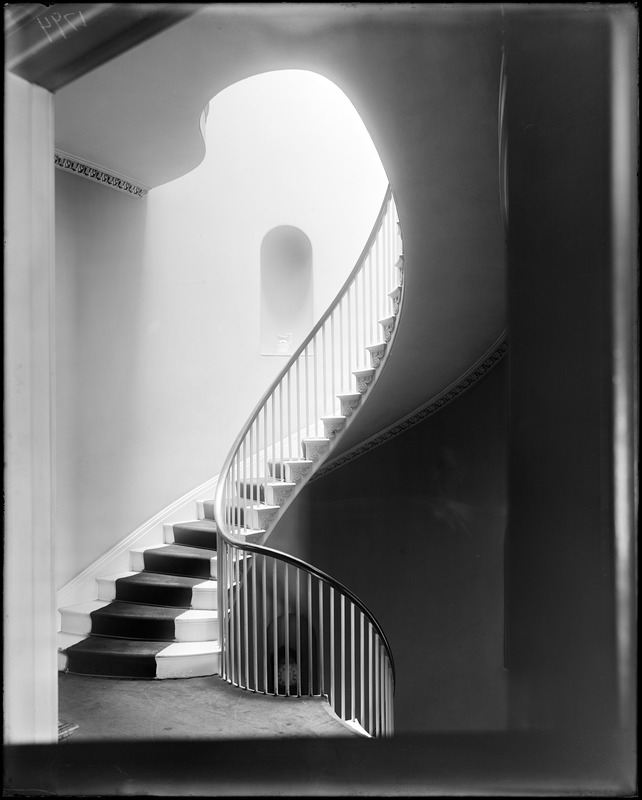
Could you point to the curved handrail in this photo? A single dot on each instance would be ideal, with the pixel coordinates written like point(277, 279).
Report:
point(251, 547)
point(236, 514)
point(230, 457)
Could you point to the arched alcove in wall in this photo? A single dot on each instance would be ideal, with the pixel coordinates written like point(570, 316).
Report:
point(286, 289)
point(290, 167)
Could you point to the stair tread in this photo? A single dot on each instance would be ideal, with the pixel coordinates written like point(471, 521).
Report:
point(196, 525)
point(142, 647)
point(123, 647)
point(155, 578)
point(182, 551)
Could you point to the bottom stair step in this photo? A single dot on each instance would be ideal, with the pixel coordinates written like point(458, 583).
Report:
point(127, 658)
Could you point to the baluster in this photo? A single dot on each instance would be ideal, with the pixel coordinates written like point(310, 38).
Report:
point(248, 468)
point(282, 465)
point(289, 415)
point(341, 342)
point(362, 691)
point(230, 601)
point(265, 627)
point(307, 394)
point(343, 656)
point(265, 460)
point(286, 618)
point(324, 372)
point(246, 630)
point(309, 623)
point(273, 453)
point(275, 635)
point(348, 347)
point(321, 641)
point(375, 288)
point(352, 663)
point(298, 634)
point(237, 608)
point(255, 625)
point(370, 724)
point(377, 697)
point(332, 694)
point(355, 323)
point(315, 359)
point(332, 361)
point(298, 408)
point(364, 315)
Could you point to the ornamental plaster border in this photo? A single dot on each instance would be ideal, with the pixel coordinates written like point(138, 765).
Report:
point(94, 172)
point(482, 366)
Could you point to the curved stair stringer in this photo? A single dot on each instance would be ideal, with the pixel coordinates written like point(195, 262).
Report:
point(273, 626)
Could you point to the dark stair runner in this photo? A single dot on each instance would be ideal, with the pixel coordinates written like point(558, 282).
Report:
point(128, 633)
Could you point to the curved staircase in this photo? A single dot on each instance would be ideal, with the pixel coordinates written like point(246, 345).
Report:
point(158, 620)
point(213, 598)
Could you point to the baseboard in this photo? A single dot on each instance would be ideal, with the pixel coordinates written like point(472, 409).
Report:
point(83, 587)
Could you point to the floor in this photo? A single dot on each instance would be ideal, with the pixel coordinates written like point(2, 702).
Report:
point(194, 708)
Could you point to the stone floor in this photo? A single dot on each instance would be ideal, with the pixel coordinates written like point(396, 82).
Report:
point(193, 708)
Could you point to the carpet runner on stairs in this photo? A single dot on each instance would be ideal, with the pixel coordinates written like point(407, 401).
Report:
point(157, 621)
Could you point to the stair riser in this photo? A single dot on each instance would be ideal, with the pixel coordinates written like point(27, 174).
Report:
point(277, 495)
point(316, 451)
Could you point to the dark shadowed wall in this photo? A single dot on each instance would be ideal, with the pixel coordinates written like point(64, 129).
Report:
point(416, 529)
point(561, 615)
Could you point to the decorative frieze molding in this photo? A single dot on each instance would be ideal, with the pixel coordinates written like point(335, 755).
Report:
point(93, 172)
point(481, 368)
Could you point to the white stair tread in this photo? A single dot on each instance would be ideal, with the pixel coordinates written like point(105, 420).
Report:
point(84, 608)
point(77, 619)
point(261, 507)
point(182, 649)
point(375, 347)
point(188, 660)
point(149, 547)
point(339, 417)
point(275, 484)
point(318, 440)
point(387, 320)
point(116, 576)
point(197, 615)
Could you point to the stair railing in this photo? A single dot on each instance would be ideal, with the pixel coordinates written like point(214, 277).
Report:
point(265, 596)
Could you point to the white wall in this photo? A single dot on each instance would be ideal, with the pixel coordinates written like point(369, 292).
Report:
point(158, 333)
point(30, 678)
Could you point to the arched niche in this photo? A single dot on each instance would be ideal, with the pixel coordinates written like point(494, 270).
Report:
point(286, 289)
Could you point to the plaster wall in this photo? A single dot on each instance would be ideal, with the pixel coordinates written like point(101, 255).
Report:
point(158, 351)
point(416, 528)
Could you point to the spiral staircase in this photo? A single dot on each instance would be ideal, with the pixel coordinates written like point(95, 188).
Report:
point(213, 597)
